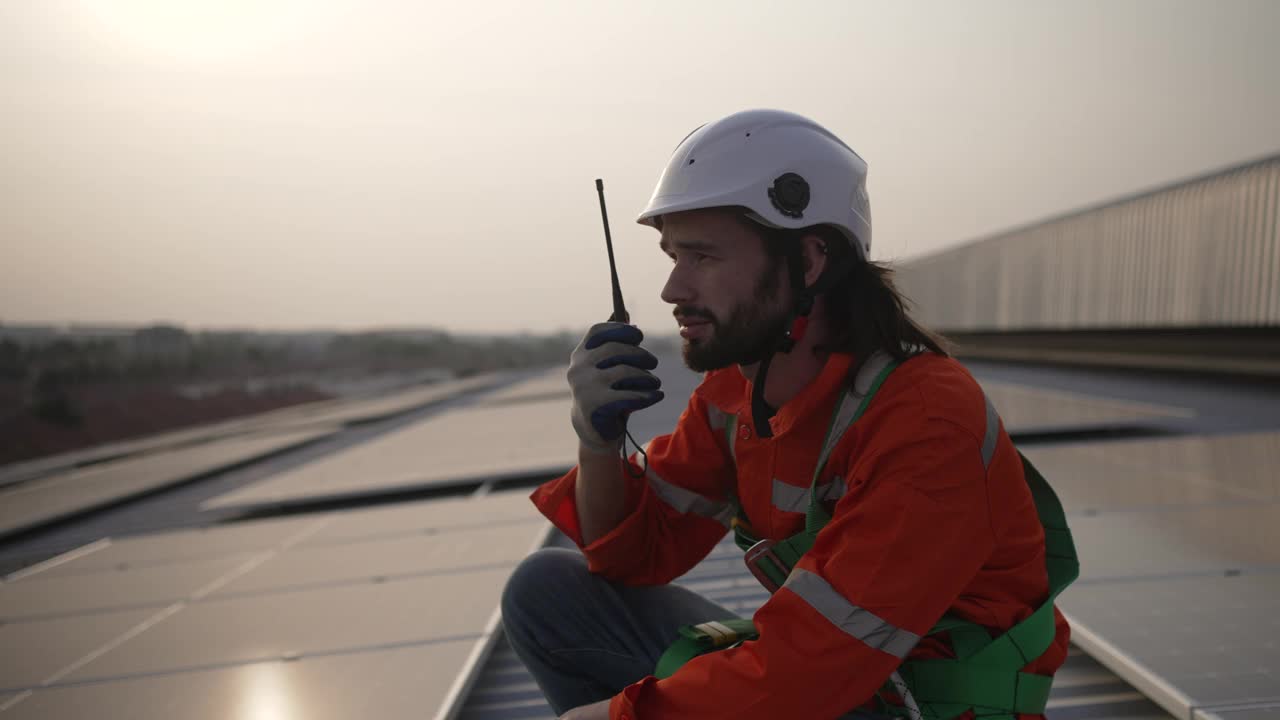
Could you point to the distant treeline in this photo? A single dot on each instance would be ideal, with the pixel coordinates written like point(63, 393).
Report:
point(62, 390)
point(170, 353)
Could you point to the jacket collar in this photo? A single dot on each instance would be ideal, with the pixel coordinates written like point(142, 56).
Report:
point(728, 390)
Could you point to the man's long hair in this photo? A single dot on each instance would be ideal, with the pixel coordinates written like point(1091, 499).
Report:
point(865, 312)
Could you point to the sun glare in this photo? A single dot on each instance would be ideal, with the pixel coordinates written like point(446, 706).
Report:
point(197, 30)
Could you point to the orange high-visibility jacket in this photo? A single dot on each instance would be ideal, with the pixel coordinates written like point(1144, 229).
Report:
point(920, 528)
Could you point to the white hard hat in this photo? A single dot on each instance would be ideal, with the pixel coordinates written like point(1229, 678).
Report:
point(787, 170)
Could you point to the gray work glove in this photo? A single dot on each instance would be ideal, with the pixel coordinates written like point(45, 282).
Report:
point(610, 379)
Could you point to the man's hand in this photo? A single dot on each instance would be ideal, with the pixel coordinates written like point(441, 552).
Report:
point(594, 711)
point(609, 378)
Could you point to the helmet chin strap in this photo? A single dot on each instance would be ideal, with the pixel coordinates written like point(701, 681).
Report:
point(797, 325)
point(761, 411)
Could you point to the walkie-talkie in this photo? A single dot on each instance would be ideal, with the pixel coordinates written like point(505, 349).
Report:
point(619, 315)
point(619, 309)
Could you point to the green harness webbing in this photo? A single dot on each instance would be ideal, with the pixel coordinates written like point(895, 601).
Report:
point(985, 676)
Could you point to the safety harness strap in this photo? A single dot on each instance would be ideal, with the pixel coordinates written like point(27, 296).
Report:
point(1030, 638)
point(986, 675)
point(771, 562)
point(703, 638)
point(870, 376)
point(959, 683)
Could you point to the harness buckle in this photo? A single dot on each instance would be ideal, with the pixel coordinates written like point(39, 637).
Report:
point(757, 558)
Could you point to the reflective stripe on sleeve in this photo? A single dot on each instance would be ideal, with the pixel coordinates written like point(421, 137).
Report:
point(789, 498)
point(852, 620)
point(689, 502)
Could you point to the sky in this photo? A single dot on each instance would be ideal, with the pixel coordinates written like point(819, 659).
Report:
point(305, 164)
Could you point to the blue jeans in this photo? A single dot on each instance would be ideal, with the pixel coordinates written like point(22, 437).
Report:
point(584, 638)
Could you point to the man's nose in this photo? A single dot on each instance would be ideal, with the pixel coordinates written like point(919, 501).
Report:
point(677, 291)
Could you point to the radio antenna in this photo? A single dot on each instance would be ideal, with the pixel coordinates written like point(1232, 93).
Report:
point(619, 309)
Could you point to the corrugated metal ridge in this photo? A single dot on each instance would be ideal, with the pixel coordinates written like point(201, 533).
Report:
point(1103, 205)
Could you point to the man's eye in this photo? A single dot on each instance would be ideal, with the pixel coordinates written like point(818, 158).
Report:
point(693, 257)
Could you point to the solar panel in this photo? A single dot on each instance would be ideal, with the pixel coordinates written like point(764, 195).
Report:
point(31, 469)
point(1166, 473)
point(1262, 712)
point(1181, 471)
point(40, 501)
point(369, 588)
point(244, 539)
point(345, 411)
point(430, 515)
point(1178, 541)
point(36, 650)
point(140, 551)
point(1179, 550)
point(543, 386)
point(483, 441)
point(1209, 640)
point(517, 430)
point(39, 596)
point(1032, 409)
point(435, 553)
point(329, 619)
point(394, 682)
point(472, 443)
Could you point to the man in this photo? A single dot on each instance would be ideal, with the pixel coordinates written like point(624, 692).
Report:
point(823, 402)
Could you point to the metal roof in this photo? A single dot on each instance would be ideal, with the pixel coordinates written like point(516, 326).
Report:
point(161, 601)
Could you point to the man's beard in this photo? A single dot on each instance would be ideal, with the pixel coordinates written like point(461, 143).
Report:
point(749, 334)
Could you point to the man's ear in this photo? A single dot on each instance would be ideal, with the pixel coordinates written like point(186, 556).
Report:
point(814, 251)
